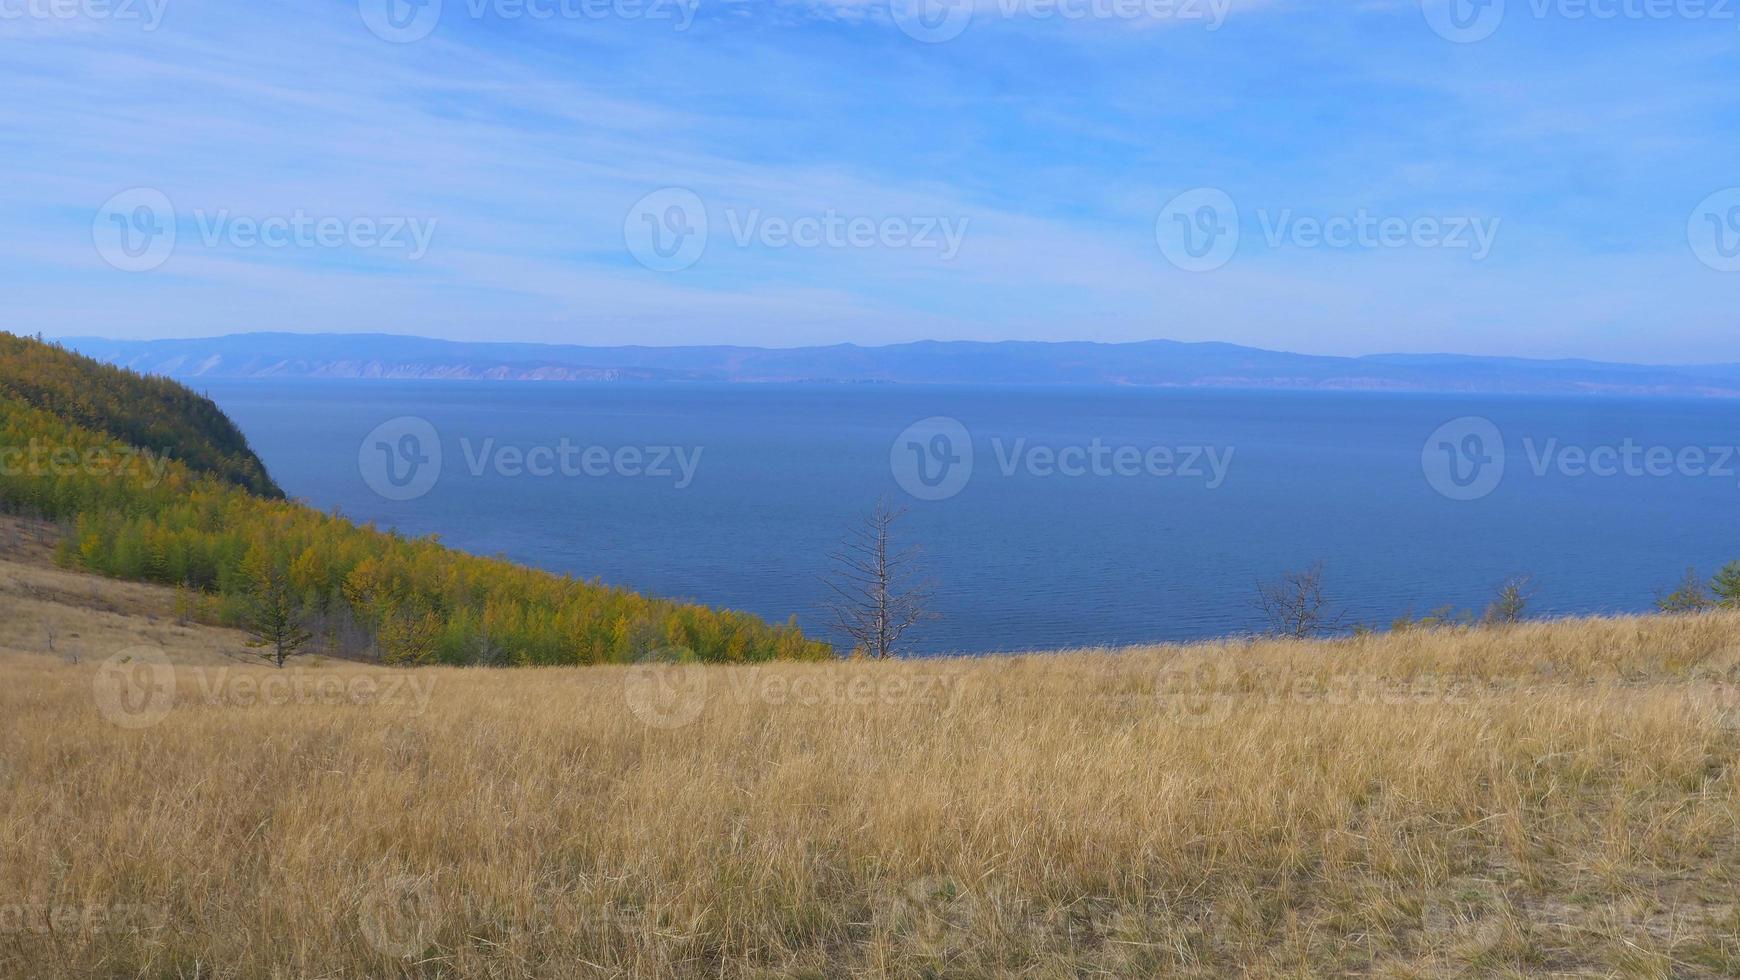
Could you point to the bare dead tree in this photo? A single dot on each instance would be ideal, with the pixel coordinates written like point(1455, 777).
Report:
point(489, 653)
point(1295, 605)
point(877, 596)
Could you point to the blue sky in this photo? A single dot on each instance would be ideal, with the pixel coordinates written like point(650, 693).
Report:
point(483, 173)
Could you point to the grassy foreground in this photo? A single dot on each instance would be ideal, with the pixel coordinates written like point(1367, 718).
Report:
point(1546, 799)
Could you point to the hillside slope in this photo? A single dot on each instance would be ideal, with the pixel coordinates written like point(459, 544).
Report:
point(148, 412)
point(240, 555)
point(79, 618)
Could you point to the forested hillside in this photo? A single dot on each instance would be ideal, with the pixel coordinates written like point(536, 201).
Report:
point(150, 413)
point(141, 516)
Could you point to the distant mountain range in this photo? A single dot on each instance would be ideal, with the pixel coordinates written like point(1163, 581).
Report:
point(1162, 363)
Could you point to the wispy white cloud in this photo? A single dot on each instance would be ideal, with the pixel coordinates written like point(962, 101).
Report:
point(529, 143)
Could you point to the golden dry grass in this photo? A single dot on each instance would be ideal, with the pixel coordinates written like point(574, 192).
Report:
point(1549, 799)
point(77, 617)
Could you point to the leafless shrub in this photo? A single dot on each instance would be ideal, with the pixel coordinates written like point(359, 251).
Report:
point(1295, 605)
point(877, 597)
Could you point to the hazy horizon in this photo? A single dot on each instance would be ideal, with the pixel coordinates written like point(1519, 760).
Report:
point(220, 335)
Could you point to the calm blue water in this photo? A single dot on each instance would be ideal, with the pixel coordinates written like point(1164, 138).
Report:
point(1035, 559)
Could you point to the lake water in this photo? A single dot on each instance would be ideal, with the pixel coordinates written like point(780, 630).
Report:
point(1089, 516)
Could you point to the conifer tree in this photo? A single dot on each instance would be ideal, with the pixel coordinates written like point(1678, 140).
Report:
point(273, 622)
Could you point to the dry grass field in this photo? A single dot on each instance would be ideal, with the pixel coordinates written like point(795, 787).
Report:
point(1550, 799)
point(78, 618)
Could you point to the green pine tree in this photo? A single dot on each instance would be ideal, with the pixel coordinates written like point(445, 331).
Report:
point(1727, 586)
point(273, 622)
